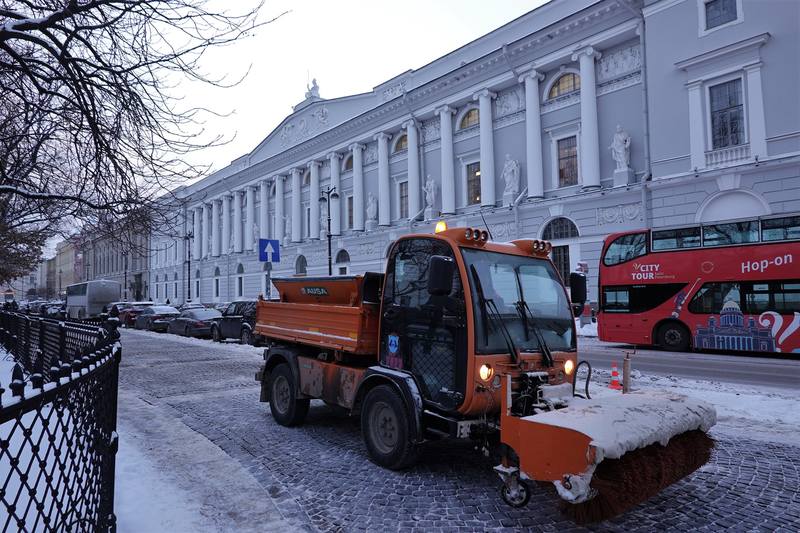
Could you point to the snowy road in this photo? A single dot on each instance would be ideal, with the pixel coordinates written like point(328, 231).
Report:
point(727, 368)
point(210, 458)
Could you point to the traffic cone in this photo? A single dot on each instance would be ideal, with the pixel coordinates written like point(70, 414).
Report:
point(614, 377)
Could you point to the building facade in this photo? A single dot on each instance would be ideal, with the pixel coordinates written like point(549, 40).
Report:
point(576, 120)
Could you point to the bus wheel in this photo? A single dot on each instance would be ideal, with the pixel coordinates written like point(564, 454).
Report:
point(674, 336)
point(286, 409)
point(386, 429)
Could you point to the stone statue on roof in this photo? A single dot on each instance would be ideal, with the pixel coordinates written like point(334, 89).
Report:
point(313, 89)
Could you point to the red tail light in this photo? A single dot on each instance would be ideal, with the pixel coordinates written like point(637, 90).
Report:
point(155, 317)
point(201, 323)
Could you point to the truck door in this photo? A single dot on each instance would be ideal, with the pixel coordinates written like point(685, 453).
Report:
point(423, 334)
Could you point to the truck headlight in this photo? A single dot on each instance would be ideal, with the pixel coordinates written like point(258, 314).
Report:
point(569, 366)
point(485, 372)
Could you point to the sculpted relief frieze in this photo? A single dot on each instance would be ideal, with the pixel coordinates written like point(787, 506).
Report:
point(618, 214)
point(509, 102)
point(304, 127)
point(430, 130)
point(394, 91)
point(619, 63)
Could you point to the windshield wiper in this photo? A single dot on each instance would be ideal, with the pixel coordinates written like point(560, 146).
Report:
point(490, 308)
point(529, 320)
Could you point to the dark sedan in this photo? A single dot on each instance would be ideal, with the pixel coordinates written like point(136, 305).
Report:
point(194, 322)
point(129, 312)
point(156, 318)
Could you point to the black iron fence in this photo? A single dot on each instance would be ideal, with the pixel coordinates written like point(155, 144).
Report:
point(58, 419)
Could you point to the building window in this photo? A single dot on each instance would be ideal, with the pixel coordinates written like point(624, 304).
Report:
point(474, 183)
point(401, 144)
point(307, 178)
point(300, 266)
point(342, 262)
point(719, 12)
point(727, 114)
point(216, 282)
point(561, 261)
point(560, 228)
point(349, 212)
point(348, 163)
point(197, 289)
point(308, 222)
point(470, 118)
point(567, 161)
point(566, 84)
point(239, 281)
point(403, 196)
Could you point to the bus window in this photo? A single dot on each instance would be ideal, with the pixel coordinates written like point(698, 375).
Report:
point(712, 296)
point(731, 233)
point(672, 239)
point(780, 229)
point(756, 297)
point(625, 248)
point(638, 298)
point(787, 297)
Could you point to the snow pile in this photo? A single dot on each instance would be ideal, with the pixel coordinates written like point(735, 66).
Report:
point(588, 330)
point(197, 342)
point(626, 422)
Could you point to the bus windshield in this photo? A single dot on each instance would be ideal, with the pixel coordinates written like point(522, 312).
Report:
point(507, 280)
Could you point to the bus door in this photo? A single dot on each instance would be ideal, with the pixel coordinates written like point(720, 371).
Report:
point(424, 334)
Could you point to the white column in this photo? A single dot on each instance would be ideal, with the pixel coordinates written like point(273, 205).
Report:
point(225, 245)
point(413, 168)
point(297, 213)
point(250, 210)
point(533, 134)
point(336, 183)
point(757, 136)
point(590, 138)
point(448, 173)
point(197, 250)
point(384, 187)
point(696, 140)
point(358, 186)
point(237, 221)
point(215, 228)
point(484, 99)
point(204, 249)
point(313, 199)
point(279, 227)
point(263, 210)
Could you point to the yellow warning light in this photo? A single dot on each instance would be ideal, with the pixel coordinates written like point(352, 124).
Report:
point(440, 226)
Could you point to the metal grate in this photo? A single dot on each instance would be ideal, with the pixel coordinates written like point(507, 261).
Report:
point(58, 437)
point(433, 362)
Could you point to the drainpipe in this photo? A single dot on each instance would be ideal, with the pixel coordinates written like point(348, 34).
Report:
point(515, 208)
point(648, 175)
point(420, 153)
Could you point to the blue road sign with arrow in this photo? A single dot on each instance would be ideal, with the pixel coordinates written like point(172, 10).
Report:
point(269, 250)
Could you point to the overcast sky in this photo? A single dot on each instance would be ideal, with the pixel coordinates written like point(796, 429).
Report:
point(349, 46)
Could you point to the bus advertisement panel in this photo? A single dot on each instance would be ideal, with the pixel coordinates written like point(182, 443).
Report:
point(725, 286)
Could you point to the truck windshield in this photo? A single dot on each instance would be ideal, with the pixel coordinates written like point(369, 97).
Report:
point(509, 279)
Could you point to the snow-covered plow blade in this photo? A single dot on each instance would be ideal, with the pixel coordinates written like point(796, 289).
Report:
point(606, 455)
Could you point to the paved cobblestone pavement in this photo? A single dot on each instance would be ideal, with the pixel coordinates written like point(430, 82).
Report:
point(319, 477)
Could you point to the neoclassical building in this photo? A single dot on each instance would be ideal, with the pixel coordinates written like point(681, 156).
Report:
point(578, 119)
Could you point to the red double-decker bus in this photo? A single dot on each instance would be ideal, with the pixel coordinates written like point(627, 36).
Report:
point(732, 285)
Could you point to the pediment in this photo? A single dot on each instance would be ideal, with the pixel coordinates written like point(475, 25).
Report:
point(311, 120)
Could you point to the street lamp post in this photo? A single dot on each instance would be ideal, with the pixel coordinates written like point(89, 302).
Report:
point(188, 239)
point(125, 278)
point(327, 195)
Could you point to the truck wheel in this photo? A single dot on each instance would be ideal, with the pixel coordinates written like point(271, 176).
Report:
point(674, 336)
point(286, 409)
point(386, 429)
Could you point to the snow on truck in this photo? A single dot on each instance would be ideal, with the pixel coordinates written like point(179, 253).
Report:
point(467, 338)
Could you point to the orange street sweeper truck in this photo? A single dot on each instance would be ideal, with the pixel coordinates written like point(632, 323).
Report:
point(466, 338)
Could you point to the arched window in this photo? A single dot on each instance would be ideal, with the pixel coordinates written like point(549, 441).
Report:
point(342, 262)
point(301, 266)
point(216, 272)
point(239, 280)
point(559, 229)
point(470, 118)
point(175, 286)
point(565, 84)
point(306, 178)
point(348, 163)
point(401, 143)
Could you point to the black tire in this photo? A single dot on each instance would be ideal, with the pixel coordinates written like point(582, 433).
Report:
point(286, 409)
point(186, 330)
point(246, 337)
point(674, 336)
point(518, 500)
point(386, 428)
point(215, 334)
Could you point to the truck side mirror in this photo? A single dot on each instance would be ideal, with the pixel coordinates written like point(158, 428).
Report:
point(440, 275)
point(577, 288)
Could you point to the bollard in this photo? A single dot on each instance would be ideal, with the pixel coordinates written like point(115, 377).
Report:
point(626, 372)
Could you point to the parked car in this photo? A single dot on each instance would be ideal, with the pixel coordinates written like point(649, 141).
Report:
point(128, 314)
point(191, 305)
point(196, 322)
point(237, 322)
point(156, 317)
point(221, 307)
